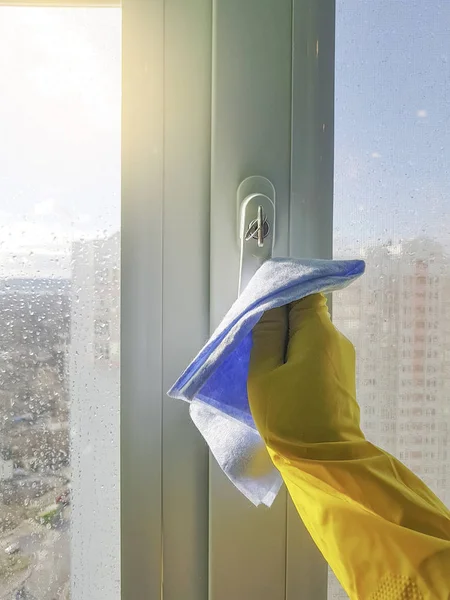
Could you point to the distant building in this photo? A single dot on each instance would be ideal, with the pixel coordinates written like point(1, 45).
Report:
point(398, 317)
point(6, 465)
point(94, 414)
point(95, 298)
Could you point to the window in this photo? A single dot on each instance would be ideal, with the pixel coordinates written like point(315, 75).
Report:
point(102, 352)
point(385, 427)
point(59, 206)
point(101, 328)
point(390, 192)
point(60, 123)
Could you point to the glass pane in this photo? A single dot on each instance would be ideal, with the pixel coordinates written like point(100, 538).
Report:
point(59, 302)
point(392, 207)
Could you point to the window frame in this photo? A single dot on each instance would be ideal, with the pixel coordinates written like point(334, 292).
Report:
point(304, 208)
point(304, 228)
point(164, 46)
point(63, 3)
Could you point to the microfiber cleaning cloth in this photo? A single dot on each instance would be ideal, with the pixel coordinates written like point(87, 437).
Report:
point(215, 383)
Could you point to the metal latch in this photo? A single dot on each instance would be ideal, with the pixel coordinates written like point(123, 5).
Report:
point(256, 219)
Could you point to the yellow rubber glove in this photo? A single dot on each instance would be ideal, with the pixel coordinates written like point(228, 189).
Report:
point(383, 532)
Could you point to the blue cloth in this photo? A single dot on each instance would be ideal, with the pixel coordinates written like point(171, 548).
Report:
point(215, 383)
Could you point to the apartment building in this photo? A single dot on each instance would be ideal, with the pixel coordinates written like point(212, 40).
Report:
point(94, 414)
point(398, 317)
point(96, 283)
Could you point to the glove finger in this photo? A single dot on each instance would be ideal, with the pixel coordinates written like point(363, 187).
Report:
point(269, 342)
point(309, 326)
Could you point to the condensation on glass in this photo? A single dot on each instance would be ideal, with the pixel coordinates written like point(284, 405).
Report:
point(59, 303)
point(392, 208)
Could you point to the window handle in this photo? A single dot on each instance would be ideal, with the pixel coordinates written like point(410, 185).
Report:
point(256, 218)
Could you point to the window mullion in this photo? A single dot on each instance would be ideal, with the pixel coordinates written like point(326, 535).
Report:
point(251, 136)
point(187, 168)
point(141, 299)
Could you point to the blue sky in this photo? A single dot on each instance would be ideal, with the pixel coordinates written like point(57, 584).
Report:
point(392, 145)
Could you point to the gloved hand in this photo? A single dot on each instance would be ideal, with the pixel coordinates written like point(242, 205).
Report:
point(301, 383)
point(384, 533)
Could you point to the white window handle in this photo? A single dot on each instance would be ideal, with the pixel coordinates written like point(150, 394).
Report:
point(256, 218)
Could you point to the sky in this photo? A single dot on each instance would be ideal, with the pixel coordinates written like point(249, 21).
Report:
point(392, 139)
point(59, 134)
point(60, 128)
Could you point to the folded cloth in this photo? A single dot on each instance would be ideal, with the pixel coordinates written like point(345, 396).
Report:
point(215, 383)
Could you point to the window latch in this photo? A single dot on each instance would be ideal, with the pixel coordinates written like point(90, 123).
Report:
point(256, 219)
